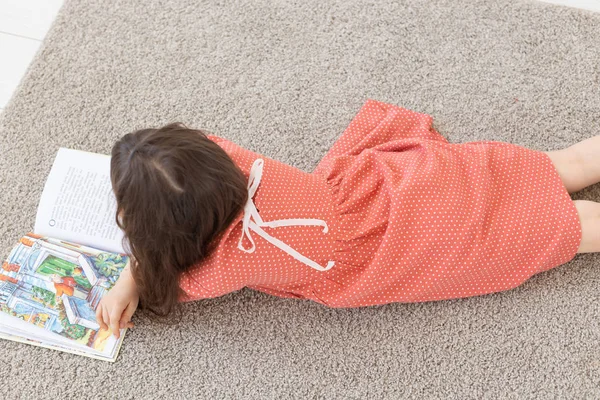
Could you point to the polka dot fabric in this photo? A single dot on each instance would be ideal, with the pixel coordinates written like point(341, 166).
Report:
point(411, 218)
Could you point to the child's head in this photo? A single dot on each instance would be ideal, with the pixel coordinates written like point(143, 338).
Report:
point(176, 190)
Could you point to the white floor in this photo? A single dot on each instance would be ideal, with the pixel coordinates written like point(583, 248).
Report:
point(592, 5)
point(23, 26)
point(24, 23)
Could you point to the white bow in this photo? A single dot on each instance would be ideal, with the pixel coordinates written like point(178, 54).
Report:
point(252, 220)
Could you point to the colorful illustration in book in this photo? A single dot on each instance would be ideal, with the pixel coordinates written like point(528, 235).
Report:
point(57, 285)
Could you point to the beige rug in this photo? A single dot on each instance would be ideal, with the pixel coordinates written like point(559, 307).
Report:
point(284, 78)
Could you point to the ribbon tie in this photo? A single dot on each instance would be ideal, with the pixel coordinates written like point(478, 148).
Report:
point(253, 221)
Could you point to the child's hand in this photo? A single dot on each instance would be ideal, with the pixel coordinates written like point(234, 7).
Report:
point(117, 307)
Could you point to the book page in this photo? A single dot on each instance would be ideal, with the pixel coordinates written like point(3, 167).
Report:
point(38, 337)
point(78, 204)
point(9, 334)
point(50, 290)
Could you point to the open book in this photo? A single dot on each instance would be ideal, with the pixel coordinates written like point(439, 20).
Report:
point(54, 278)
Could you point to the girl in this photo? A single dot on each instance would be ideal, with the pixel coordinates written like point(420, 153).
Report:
point(392, 213)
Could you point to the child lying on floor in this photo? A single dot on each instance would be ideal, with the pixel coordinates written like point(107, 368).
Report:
point(392, 213)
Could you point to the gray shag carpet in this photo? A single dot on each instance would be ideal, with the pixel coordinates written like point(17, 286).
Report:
point(284, 78)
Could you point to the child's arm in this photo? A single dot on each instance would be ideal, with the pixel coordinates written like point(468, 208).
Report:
point(117, 307)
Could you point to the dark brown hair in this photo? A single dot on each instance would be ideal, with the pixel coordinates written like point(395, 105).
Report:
point(176, 190)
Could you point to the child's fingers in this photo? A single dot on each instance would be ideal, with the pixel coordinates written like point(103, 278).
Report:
point(127, 314)
point(126, 324)
point(105, 317)
point(114, 324)
point(100, 317)
point(99, 314)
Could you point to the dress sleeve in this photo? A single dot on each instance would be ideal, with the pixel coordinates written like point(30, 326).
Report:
point(198, 283)
point(192, 289)
point(214, 138)
point(376, 123)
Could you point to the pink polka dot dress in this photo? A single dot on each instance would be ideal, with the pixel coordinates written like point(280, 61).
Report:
point(392, 213)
